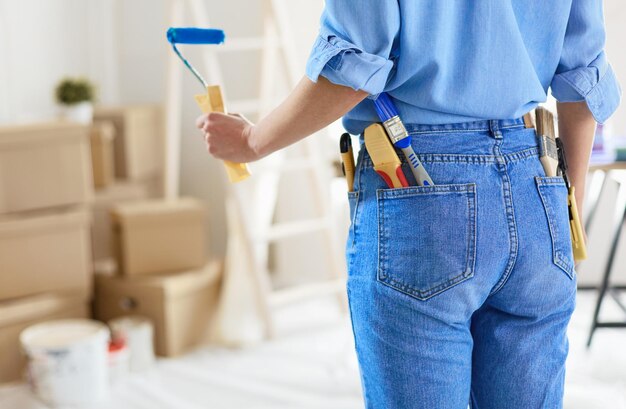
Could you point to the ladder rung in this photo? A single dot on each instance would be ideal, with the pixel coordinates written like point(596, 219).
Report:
point(244, 44)
point(288, 165)
point(251, 105)
point(244, 106)
point(302, 292)
point(301, 227)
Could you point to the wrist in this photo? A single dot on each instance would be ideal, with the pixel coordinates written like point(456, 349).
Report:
point(252, 136)
point(579, 196)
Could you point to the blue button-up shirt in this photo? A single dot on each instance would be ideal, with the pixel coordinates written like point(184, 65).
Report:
point(449, 61)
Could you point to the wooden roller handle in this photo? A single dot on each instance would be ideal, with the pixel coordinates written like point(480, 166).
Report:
point(213, 101)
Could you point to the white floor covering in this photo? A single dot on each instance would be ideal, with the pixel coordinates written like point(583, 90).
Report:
point(312, 365)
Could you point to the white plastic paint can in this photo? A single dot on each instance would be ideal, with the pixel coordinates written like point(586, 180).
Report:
point(68, 361)
point(138, 332)
point(119, 361)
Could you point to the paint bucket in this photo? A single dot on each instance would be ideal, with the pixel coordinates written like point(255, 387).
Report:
point(67, 361)
point(138, 333)
point(119, 360)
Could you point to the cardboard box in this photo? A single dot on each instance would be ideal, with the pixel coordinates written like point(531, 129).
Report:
point(102, 137)
point(181, 305)
point(159, 236)
point(46, 251)
point(105, 200)
point(17, 315)
point(139, 140)
point(155, 186)
point(44, 165)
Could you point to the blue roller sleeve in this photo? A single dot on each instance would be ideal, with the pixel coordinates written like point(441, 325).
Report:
point(193, 35)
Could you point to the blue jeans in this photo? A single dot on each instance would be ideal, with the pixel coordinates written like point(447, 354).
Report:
point(461, 292)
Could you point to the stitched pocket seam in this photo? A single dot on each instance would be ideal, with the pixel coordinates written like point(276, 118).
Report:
point(469, 191)
point(354, 195)
point(557, 256)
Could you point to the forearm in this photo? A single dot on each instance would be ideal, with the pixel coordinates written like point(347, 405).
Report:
point(576, 129)
point(309, 108)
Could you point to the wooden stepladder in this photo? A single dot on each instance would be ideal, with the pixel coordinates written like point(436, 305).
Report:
point(251, 205)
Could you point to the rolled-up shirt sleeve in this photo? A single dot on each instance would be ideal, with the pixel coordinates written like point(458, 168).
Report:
point(355, 44)
point(584, 73)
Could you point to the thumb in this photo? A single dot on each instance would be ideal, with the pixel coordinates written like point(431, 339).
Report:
point(201, 121)
point(240, 116)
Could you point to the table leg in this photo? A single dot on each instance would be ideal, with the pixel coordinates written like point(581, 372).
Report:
point(619, 218)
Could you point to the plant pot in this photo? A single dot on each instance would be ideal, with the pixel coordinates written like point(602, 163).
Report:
point(81, 112)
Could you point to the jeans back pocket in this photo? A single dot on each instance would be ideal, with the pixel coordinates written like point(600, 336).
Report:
point(553, 193)
point(427, 237)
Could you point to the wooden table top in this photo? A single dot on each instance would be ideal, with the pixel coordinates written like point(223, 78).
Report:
point(606, 166)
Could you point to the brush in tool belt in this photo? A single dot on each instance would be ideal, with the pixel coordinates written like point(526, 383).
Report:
point(384, 157)
point(578, 241)
point(398, 134)
point(347, 159)
point(548, 154)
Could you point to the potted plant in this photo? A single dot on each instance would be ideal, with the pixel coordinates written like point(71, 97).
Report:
point(76, 96)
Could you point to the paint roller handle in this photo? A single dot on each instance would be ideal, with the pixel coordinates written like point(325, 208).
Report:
point(213, 101)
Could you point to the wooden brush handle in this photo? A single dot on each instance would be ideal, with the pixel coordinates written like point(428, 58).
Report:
point(545, 122)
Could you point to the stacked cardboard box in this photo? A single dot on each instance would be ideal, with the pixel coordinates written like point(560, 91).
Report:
point(102, 154)
point(162, 272)
point(159, 236)
point(43, 166)
point(128, 165)
point(139, 143)
point(47, 247)
point(47, 176)
point(45, 250)
point(105, 200)
point(180, 305)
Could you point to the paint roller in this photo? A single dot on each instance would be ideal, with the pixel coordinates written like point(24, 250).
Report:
point(212, 101)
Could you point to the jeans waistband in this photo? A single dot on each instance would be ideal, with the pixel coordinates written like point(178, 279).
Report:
point(475, 126)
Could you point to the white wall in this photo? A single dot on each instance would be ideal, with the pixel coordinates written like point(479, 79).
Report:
point(615, 15)
point(43, 41)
